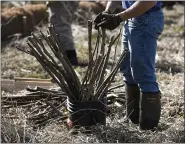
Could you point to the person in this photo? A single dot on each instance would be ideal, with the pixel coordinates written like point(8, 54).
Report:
point(60, 16)
point(144, 22)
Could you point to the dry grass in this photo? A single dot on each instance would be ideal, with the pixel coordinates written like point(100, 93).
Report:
point(8, 13)
point(170, 74)
point(117, 129)
point(22, 20)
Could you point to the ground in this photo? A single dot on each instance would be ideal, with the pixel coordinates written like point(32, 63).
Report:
point(170, 75)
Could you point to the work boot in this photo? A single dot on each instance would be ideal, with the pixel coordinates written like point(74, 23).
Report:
point(132, 93)
point(72, 56)
point(150, 110)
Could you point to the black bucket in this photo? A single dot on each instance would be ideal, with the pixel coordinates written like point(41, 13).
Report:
point(87, 113)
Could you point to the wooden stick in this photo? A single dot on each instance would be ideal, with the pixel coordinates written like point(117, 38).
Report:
point(109, 79)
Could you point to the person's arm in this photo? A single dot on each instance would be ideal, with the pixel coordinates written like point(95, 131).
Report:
point(111, 21)
point(138, 8)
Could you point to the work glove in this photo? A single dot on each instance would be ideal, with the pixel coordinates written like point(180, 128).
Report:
point(98, 18)
point(107, 20)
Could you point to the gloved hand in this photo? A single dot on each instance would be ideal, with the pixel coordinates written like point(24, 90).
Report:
point(99, 18)
point(106, 20)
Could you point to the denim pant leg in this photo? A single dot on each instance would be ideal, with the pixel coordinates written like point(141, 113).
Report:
point(142, 36)
point(125, 65)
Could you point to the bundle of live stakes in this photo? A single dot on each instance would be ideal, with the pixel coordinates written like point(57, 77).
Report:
point(94, 85)
point(95, 82)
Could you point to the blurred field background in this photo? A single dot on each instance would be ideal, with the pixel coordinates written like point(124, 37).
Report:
point(17, 23)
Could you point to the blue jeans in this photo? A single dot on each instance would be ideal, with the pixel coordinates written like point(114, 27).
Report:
point(140, 37)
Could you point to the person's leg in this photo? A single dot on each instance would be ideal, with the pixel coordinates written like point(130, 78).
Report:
point(132, 92)
point(60, 16)
point(143, 60)
point(143, 33)
point(125, 65)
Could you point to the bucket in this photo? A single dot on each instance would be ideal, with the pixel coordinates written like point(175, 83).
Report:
point(87, 113)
